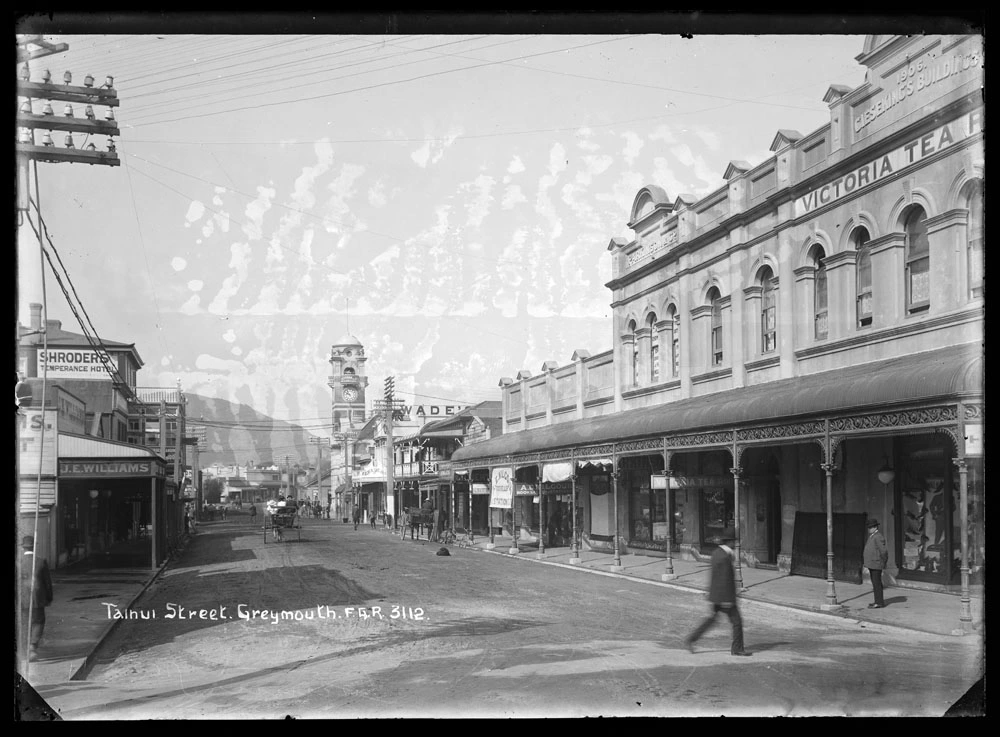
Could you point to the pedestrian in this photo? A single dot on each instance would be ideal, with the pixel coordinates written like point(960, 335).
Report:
point(722, 595)
point(253, 513)
point(36, 593)
point(876, 556)
point(357, 516)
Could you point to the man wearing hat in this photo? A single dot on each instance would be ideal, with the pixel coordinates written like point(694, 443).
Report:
point(36, 592)
point(876, 556)
point(722, 594)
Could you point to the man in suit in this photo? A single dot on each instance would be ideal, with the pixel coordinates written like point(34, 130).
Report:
point(876, 556)
point(722, 595)
point(36, 593)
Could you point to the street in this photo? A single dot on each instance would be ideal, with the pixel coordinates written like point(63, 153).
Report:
point(362, 624)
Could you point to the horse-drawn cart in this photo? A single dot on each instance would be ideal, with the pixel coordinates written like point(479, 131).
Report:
point(280, 521)
point(416, 519)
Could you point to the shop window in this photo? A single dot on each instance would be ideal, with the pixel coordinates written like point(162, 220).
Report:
point(976, 241)
point(654, 349)
point(864, 289)
point(768, 311)
point(717, 514)
point(820, 324)
point(648, 514)
point(918, 261)
point(928, 498)
point(716, 301)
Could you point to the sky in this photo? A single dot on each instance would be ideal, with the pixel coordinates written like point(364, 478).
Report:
point(447, 199)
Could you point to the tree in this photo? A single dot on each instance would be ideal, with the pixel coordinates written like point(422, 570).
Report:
point(213, 490)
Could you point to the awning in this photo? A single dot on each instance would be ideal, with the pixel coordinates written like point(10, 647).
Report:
point(87, 457)
point(942, 374)
point(88, 446)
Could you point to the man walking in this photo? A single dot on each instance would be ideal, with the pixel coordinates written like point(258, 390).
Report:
point(357, 517)
point(36, 593)
point(722, 595)
point(876, 556)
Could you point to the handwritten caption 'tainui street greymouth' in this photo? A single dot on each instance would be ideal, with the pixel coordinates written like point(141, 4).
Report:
point(275, 616)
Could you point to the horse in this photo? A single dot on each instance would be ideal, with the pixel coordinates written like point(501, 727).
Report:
point(417, 519)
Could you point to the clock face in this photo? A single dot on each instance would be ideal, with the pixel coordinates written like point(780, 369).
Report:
point(349, 394)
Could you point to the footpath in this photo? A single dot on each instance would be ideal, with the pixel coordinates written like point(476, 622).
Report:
point(77, 621)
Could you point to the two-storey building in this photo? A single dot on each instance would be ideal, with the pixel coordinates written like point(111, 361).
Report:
point(793, 353)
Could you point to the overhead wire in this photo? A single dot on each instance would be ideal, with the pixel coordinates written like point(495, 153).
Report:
point(374, 86)
point(264, 74)
point(146, 111)
point(77, 307)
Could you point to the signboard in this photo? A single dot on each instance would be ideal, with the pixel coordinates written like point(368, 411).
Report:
point(914, 78)
point(902, 157)
point(105, 469)
point(423, 411)
point(37, 442)
point(428, 467)
point(74, 363)
point(650, 247)
point(523, 489)
point(29, 490)
point(973, 439)
point(480, 488)
point(502, 488)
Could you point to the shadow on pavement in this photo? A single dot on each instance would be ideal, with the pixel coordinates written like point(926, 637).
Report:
point(478, 626)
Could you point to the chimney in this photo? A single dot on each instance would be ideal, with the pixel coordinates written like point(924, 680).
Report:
point(36, 315)
point(53, 324)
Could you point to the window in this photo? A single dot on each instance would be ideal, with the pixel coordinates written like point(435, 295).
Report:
point(716, 300)
point(976, 241)
point(864, 289)
point(675, 342)
point(635, 354)
point(654, 349)
point(768, 311)
point(918, 261)
point(819, 295)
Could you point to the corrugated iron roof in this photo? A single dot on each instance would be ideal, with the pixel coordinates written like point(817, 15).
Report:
point(945, 373)
point(87, 446)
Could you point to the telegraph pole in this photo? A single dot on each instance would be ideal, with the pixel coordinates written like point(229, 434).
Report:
point(36, 114)
point(389, 407)
point(319, 442)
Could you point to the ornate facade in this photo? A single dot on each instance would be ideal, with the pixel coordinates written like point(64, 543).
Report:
point(797, 350)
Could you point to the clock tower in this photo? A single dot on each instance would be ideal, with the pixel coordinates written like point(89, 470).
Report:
point(348, 381)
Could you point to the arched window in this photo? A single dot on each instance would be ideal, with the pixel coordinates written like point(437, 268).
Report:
point(654, 349)
point(635, 353)
point(860, 239)
point(819, 294)
point(918, 261)
point(976, 241)
point(716, 301)
point(768, 311)
point(674, 320)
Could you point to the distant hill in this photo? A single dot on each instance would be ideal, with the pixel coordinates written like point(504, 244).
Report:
point(237, 433)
